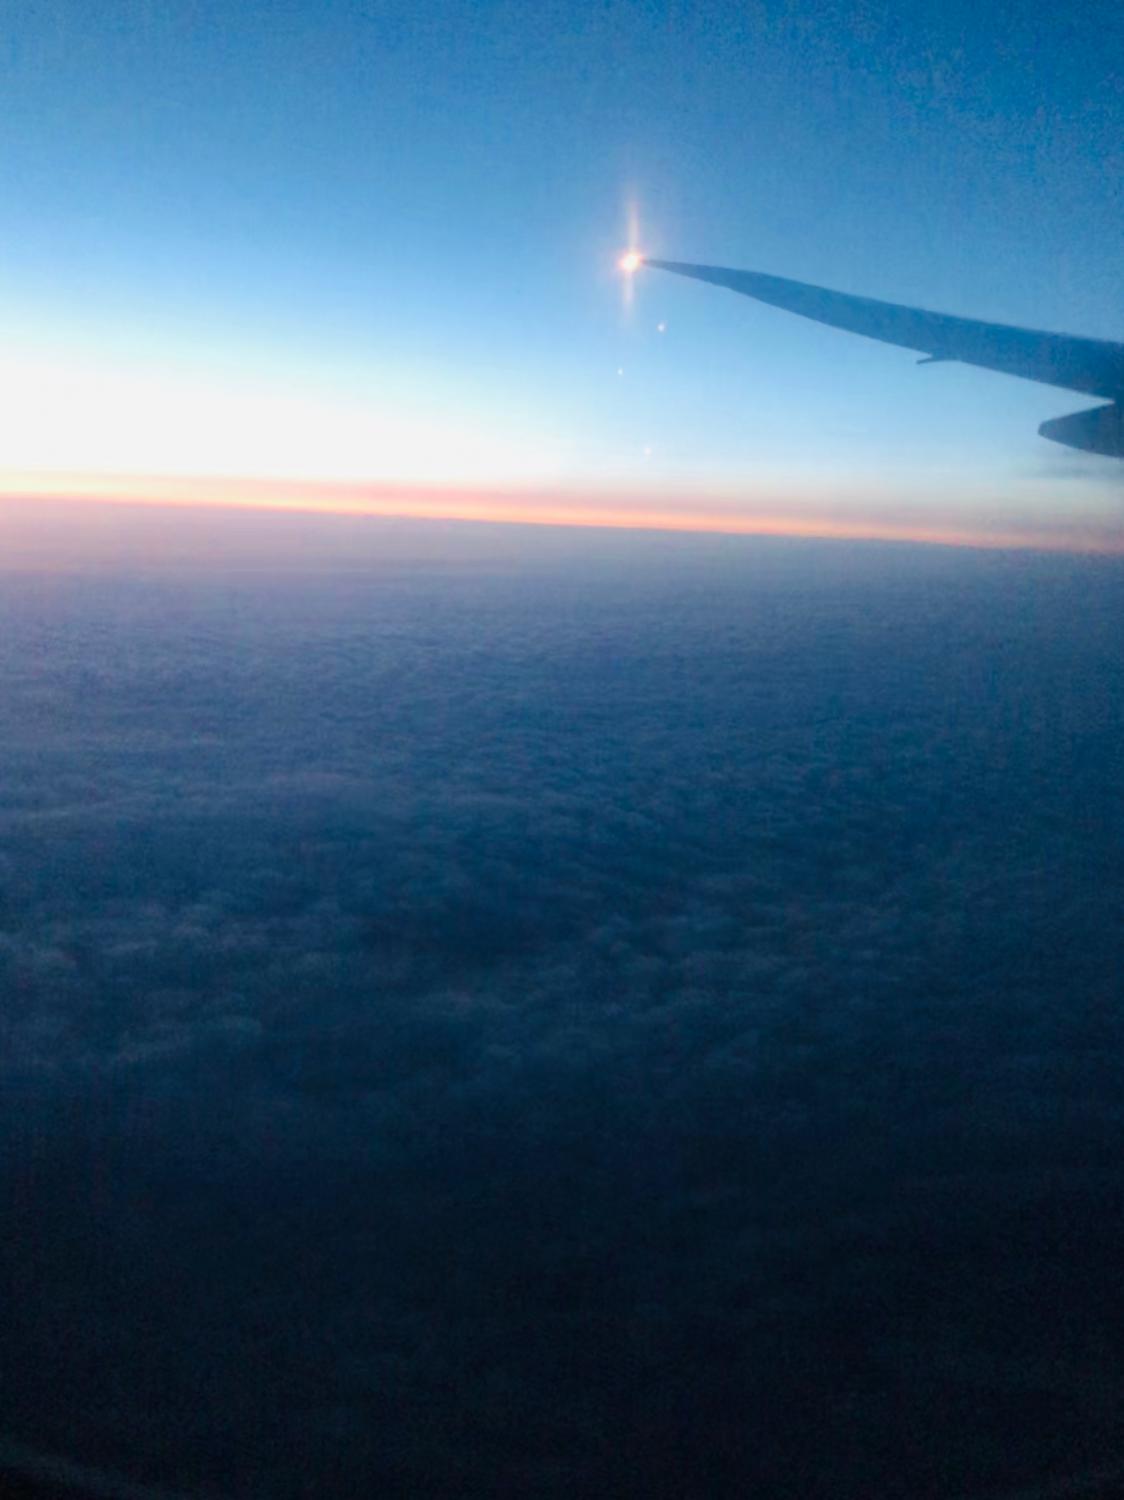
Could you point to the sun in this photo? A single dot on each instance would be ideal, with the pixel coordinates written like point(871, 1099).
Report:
point(632, 261)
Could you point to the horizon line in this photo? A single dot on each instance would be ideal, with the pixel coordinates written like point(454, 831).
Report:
point(557, 506)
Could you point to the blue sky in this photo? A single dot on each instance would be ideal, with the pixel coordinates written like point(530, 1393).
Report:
point(378, 241)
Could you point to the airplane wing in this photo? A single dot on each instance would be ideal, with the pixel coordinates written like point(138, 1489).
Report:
point(1094, 366)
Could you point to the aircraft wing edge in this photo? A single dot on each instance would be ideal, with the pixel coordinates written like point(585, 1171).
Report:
point(1093, 366)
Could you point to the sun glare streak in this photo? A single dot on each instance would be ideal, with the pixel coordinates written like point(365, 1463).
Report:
point(631, 258)
point(633, 223)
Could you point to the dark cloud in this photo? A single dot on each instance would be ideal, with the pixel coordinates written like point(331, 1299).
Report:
point(639, 1028)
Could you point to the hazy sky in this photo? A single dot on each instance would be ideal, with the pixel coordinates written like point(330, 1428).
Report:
point(378, 242)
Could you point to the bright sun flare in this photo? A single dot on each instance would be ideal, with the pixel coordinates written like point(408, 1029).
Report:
point(631, 261)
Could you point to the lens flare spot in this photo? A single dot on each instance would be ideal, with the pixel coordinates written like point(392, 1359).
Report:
point(631, 261)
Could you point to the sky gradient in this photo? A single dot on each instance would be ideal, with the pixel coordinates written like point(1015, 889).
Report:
point(376, 244)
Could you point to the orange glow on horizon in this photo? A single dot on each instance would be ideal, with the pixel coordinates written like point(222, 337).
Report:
point(781, 516)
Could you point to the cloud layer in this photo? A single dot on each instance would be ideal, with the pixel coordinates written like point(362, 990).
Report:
point(631, 1028)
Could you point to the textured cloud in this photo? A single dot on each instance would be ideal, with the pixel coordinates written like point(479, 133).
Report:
point(638, 1027)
